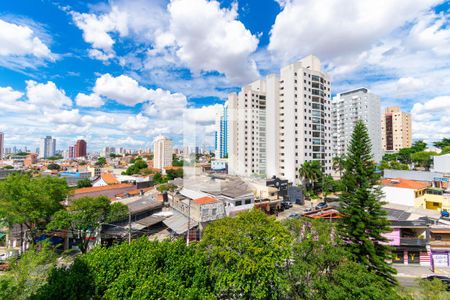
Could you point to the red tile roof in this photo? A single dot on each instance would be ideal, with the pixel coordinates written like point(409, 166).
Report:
point(101, 188)
point(204, 200)
point(109, 178)
point(406, 184)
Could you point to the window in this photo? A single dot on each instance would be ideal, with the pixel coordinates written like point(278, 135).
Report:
point(248, 201)
point(238, 203)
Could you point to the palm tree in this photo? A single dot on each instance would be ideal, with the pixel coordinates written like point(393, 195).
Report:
point(338, 164)
point(311, 171)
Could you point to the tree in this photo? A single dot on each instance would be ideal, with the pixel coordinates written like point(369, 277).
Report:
point(84, 216)
point(246, 256)
point(31, 201)
point(166, 187)
point(8, 167)
point(175, 173)
point(28, 273)
point(158, 178)
point(56, 157)
point(86, 182)
point(53, 167)
point(143, 270)
point(136, 167)
point(443, 143)
point(338, 164)
point(419, 146)
point(328, 185)
point(101, 161)
point(423, 158)
point(321, 267)
point(364, 221)
point(311, 172)
point(445, 150)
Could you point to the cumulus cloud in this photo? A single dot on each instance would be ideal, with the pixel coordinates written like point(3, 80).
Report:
point(46, 94)
point(62, 116)
point(430, 118)
point(18, 40)
point(334, 28)
point(92, 100)
point(211, 38)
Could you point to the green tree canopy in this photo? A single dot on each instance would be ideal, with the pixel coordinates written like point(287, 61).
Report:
point(101, 161)
point(31, 201)
point(27, 274)
point(442, 143)
point(364, 220)
point(84, 216)
point(86, 182)
point(423, 158)
point(142, 270)
point(321, 267)
point(419, 146)
point(53, 167)
point(246, 256)
point(311, 172)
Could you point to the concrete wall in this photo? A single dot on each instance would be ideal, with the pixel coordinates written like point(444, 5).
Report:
point(398, 195)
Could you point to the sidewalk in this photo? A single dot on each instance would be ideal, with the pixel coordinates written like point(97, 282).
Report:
point(415, 271)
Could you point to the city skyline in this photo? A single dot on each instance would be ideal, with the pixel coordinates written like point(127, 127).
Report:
point(114, 78)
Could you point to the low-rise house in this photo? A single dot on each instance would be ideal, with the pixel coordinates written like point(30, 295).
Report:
point(105, 179)
point(403, 191)
point(440, 248)
point(109, 191)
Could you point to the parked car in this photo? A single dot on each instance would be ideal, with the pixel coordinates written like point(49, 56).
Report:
point(321, 205)
point(444, 279)
point(286, 204)
point(294, 216)
point(307, 210)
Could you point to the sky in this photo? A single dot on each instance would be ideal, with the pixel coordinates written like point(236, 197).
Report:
point(119, 73)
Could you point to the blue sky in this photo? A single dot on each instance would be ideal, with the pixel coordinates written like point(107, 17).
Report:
point(118, 73)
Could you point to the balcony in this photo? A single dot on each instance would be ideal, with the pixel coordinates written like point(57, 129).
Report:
point(412, 241)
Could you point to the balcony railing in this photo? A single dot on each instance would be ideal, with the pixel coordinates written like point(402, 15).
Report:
point(412, 241)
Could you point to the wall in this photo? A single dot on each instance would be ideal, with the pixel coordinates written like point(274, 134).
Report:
point(399, 195)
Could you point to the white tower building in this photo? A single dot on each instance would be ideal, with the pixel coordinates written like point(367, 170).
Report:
point(349, 107)
point(162, 152)
point(47, 147)
point(277, 124)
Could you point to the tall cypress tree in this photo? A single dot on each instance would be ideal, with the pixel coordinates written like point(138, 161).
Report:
point(364, 220)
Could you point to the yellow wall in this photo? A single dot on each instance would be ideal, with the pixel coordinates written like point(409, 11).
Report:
point(436, 202)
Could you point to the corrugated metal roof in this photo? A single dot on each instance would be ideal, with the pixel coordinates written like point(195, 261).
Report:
point(178, 223)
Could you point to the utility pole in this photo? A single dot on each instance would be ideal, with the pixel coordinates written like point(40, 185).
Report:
point(129, 227)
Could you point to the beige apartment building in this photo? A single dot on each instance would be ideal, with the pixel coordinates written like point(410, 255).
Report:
point(162, 152)
point(396, 130)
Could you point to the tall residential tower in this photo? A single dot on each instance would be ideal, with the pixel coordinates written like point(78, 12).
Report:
point(221, 133)
point(2, 145)
point(349, 107)
point(47, 147)
point(395, 129)
point(277, 124)
point(162, 152)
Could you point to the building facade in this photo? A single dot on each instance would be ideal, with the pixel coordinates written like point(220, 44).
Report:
point(2, 145)
point(396, 132)
point(349, 107)
point(47, 147)
point(221, 133)
point(80, 148)
point(162, 152)
point(277, 124)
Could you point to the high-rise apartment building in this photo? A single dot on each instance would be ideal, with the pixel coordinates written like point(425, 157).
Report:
point(349, 107)
point(395, 129)
point(162, 152)
point(80, 148)
point(71, 154)
point(2, 144)
point(277, 124)
point(47, 147)
point(221, 133)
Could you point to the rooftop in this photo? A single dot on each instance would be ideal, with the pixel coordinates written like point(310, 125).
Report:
point(204, 200)
point(406, 184)
point(109, 178)
point(102, 188)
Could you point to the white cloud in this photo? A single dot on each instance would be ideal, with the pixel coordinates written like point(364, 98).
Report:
point(62, 116)
point(123, 89)
point(211, 38)
point(10, 101)
point(92, 100)
point(7, 94)
point(136, 123)
point(18, 40)
point(129, 141)
point(430, 119)
point(46, 94)
point(165, 105)
point(334, 28)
